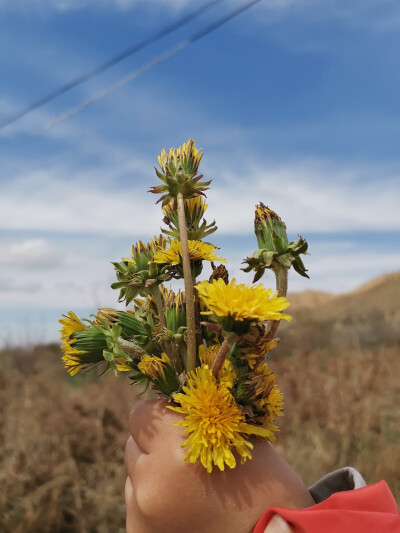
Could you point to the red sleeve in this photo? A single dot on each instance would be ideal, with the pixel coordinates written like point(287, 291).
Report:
point(370, 509)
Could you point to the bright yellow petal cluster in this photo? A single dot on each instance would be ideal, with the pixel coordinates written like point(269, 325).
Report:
point(70, 324)
point(196, 204)
point(274, 403)
point(214, 421)
point(72, 362)
point(227, 374)
point(242, 302)
point(273, 408)
point(198, 251)
point(153, 366)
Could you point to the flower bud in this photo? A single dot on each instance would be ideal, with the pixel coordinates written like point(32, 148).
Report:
point(275, 251)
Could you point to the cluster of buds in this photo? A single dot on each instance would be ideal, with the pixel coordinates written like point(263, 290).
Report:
point(206, 348)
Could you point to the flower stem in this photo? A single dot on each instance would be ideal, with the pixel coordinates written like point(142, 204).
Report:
point(197, 318)
point(281, 275)
point(189, 290)
point(156, 293)
point(131, 348)
point(223, 352)
point(161, 316)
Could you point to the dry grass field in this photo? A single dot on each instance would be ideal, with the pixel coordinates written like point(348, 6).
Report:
point(62, 439)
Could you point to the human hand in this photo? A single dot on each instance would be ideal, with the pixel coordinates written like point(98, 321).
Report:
point(166, 494)
point(278, 525)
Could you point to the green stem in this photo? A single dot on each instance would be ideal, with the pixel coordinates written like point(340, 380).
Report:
point(223, 352)
point(131, 348)
point(281, 275)
point(189, 290)
point(156, 293)
point(161, 316)
point(197, 318)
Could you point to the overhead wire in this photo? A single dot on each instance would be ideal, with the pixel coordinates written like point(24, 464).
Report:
point(150, 64)
point(128, 52)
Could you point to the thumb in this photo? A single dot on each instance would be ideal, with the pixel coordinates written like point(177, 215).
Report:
point(278, 525)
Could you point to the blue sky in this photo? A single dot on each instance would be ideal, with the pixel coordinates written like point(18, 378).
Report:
point(295, 103)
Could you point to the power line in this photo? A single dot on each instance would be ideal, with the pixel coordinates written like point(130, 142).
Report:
point(109, 63)
point(150, 64)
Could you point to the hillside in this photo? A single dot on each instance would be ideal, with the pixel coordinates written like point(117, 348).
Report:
point(381, 293)
point(369, 315)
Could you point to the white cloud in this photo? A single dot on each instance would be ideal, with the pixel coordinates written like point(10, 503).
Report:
point(311, 196)
point(30, 254)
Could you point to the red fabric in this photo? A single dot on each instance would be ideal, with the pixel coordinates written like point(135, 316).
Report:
point(370, 509)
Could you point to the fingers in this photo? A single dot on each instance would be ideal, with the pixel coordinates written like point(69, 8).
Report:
point(132, 454)
point(278, 525)
point(145, 421)
point(128, 491)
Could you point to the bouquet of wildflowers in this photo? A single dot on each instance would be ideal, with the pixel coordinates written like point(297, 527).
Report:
point(206, 347)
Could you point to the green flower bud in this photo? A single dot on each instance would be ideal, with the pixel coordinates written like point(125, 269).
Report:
point(275, 251)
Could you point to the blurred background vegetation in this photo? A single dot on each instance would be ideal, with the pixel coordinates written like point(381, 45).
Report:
point(62, 439)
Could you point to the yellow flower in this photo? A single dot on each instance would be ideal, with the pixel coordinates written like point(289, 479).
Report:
point(71, 363)
point(70, 324)
point(242, 302)
point(153, 367)
point(178, 174)
point(198, 251)
point(196, 206)
point(214, 421)
point(273, 408)
point(111, 316)
point(122, 365)
point(261, 380)
point(194, 209)
point(186, 155)
point(161, 373)
point(227, 374)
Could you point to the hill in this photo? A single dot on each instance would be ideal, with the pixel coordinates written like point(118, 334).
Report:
point(369, 315)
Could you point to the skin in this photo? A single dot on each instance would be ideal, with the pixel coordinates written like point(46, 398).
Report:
point(278, 525)
point(166, 494)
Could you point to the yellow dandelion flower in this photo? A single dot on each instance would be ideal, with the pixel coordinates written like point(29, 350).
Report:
point(261, 380)
point(111, 316)
point(196, 206)
point(273, 408)
point(122, 365)
point(214, 422)
point(242, 302)
point(153, 367)
point(198, 251)
point(187, 155)
point(70, 324)
point(227, 374)
point(274, 403)
point(72, 364)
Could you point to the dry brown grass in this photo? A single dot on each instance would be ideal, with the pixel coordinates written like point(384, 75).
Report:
point(62, 439)
point(62, 444)
point(342, 409)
